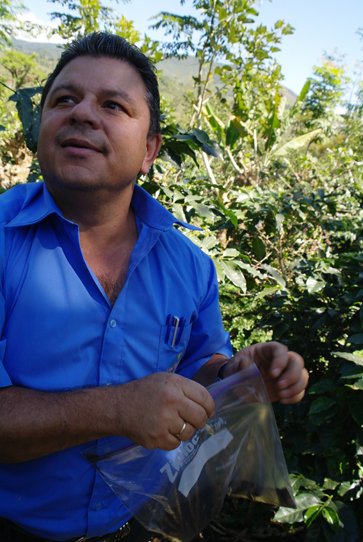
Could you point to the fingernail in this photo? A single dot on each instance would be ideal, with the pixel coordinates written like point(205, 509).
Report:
point(276, 372)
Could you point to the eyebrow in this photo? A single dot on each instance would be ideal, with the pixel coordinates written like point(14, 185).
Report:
point(106, 93)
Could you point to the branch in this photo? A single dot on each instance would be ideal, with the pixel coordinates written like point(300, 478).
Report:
point(208, 168)
point(234, 164)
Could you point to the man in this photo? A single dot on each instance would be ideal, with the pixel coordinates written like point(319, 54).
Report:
point(94, 279)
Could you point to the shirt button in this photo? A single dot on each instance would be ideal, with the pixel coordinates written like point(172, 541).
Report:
point(98, 506)
point(113, 323)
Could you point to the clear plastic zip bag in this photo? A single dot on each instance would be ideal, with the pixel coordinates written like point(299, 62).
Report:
point(238, 452)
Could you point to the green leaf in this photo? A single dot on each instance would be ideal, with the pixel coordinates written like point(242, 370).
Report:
point(230, 214)
point(235, 275)
point(215, 122)
point(331, 517)
point(252, 271)
point(266, 291)
point(290, 515)
point(295, 143)
point(178, 212)
point(350, 357)
point(301, 97)
point(203, 210)
point(258, 248)
point(167, 158)
point(29, 115)
point(358, 384)
point(273, 124)
point(314, 285)
point(304, 91)
point(219, 268)
point(209, 242)
point(344, 488)
point(275, 274)
point(320, 405)
point(231, 253)
point(235, 131)
point(311, 514)
point(330, 484)
point(322, 386)
point(208, 146)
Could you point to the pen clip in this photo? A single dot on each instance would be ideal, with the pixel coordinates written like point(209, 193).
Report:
point(181, 328)
point(169, 322)
point(176, 324)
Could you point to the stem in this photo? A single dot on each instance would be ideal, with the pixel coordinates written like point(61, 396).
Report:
point(6, 86)
point(234, 164)
point(256, 156)
point(208, 168)
point(197, 108)
point(281, 262)
point(203, 87)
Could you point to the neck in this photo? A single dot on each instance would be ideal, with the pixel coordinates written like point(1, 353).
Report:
point(104, 218)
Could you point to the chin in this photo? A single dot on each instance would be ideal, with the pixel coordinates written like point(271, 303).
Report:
point(74, 182)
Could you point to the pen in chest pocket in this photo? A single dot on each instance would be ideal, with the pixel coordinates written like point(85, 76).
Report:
point(175, 326)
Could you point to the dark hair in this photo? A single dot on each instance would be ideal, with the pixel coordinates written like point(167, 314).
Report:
point(103, 44)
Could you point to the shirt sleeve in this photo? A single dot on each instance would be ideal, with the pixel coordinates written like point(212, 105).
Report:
point(207, 336)
point(4, 377)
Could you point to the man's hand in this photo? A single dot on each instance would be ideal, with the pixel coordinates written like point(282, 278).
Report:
point(149, 411)
point(154, 409)
point(282, 371)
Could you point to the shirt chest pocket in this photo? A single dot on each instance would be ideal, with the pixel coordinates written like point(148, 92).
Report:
point(170, 356)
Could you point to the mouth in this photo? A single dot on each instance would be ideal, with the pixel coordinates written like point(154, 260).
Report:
point(80, 147)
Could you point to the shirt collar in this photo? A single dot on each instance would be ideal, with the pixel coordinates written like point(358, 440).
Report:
point(152, 213)
point(38, 204)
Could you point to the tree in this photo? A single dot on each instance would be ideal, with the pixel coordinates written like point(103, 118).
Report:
point(10, 10)
point(222, 33)
point(9, 13)
point(23, 68)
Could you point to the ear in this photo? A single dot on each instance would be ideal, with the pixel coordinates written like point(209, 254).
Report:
point(153, 145)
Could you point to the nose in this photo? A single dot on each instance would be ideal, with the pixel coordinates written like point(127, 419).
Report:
point(85, 112)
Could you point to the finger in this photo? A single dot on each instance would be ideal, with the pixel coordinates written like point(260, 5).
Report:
point(293, 371)
point(297, 388)
point(200, 396)
point(192, 414)
point(294, 399)
point(186, 434)
point(274, 357)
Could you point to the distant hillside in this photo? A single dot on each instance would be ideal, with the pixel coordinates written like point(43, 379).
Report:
point(176, 77)
point(50, 51)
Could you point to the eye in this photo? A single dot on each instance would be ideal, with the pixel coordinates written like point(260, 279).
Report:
point(64, 100)
point(114, 106)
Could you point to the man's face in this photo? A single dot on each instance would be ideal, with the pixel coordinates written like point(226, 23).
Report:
point(93, 132)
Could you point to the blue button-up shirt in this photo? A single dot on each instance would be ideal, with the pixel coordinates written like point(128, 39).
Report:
point(60, 332)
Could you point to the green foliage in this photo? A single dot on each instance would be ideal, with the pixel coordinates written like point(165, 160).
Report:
point(29, 114)
point(9, 12)
point(86, 16)
point(23, 68)
point(10, 24)
point(325, 93)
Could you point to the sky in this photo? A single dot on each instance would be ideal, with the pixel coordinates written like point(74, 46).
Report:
point(320, 26)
